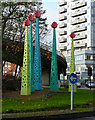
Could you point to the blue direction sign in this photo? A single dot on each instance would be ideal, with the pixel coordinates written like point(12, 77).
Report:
point(73, 78)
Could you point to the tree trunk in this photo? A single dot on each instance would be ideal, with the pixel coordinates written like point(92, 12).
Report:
point(15, 72)
point(4, 63)
point(3, 68)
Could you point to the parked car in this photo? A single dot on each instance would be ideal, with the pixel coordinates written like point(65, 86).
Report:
point(92, 84)
point(78, 84)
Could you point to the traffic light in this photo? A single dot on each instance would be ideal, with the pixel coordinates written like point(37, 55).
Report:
point(89, 71)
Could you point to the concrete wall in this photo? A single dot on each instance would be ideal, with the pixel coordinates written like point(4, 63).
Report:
point(45, 77)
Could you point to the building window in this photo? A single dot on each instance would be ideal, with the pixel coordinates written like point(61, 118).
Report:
point(88, 57)
point(94, 57)
point(79, 58)
point(88, 7)
point(68, 6)
point(76, 68)
point(92, 19)
point(68, 60)
point(67, 13)
point(68, 69)
point(88, 24)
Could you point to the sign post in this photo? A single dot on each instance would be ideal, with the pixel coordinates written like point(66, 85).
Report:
point(73, 80)
point(72, 98)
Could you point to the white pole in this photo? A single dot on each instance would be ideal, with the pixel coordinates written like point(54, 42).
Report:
point(72, 98)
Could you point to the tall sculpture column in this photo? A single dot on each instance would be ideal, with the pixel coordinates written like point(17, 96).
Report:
point(37, 56)
point(54, 70)
point(31, 18)
point(72, 62)
point(25, 82)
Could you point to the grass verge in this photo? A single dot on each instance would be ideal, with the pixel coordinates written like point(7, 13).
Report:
point(82, 99)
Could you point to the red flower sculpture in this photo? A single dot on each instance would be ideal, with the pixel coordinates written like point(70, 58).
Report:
point(54, 25)
point(37, 13)
point(30, 17)
point(27, 22)
point(72, 35)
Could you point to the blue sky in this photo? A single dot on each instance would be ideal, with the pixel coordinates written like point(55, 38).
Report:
point(51, 7)
point(51, 10)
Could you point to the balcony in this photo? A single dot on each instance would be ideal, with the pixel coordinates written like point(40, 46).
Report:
point(61, 40)
point(62, 3)
point(78, 21)
point(78, 45)
point(89, 62)
point(62, 10)
point(62, 17)
point(62, 47)
point(73, 0)
point(78, 13)
point(62, 25)
point(79, 5)
point(62, 32)
point(81, 36)
point(79, 29)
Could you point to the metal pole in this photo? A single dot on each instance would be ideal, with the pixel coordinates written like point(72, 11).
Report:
point(72, 98)
point(90, 82)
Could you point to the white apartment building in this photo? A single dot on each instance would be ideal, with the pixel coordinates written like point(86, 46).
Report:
point(78, 16)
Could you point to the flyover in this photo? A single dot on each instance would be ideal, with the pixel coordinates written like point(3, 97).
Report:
point(12, 51)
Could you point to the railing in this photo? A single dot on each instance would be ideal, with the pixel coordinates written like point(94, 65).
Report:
point(81, 20)
point(79, 5)
point(62, 3)
point(81, 36)
point(49, 48)
point(62, 10)
point(62, 46)
point(62, 39)
point(79, 29)
point(73, 0)
point(62, 32)
point(90, 62)
point(61, 25)
point(79, 44)
point(77, 13)
point(62, 17)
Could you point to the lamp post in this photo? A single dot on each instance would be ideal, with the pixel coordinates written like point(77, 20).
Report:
point(25, 82)
point(54, 70)
point(37, 56)
point(89, 74)
point(31, 18)
point(72, 62)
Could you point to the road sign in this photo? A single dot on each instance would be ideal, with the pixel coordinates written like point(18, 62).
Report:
point(73, 78)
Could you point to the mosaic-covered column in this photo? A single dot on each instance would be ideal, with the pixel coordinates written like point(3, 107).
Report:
point(25, 82)
point(72, 62)
point(37, 56)
point(54, 70)
point(31, 18)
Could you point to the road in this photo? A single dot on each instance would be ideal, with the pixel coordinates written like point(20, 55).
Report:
point(70, 116)
point(41, 118)
point(86, 88)
point(86, 118)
